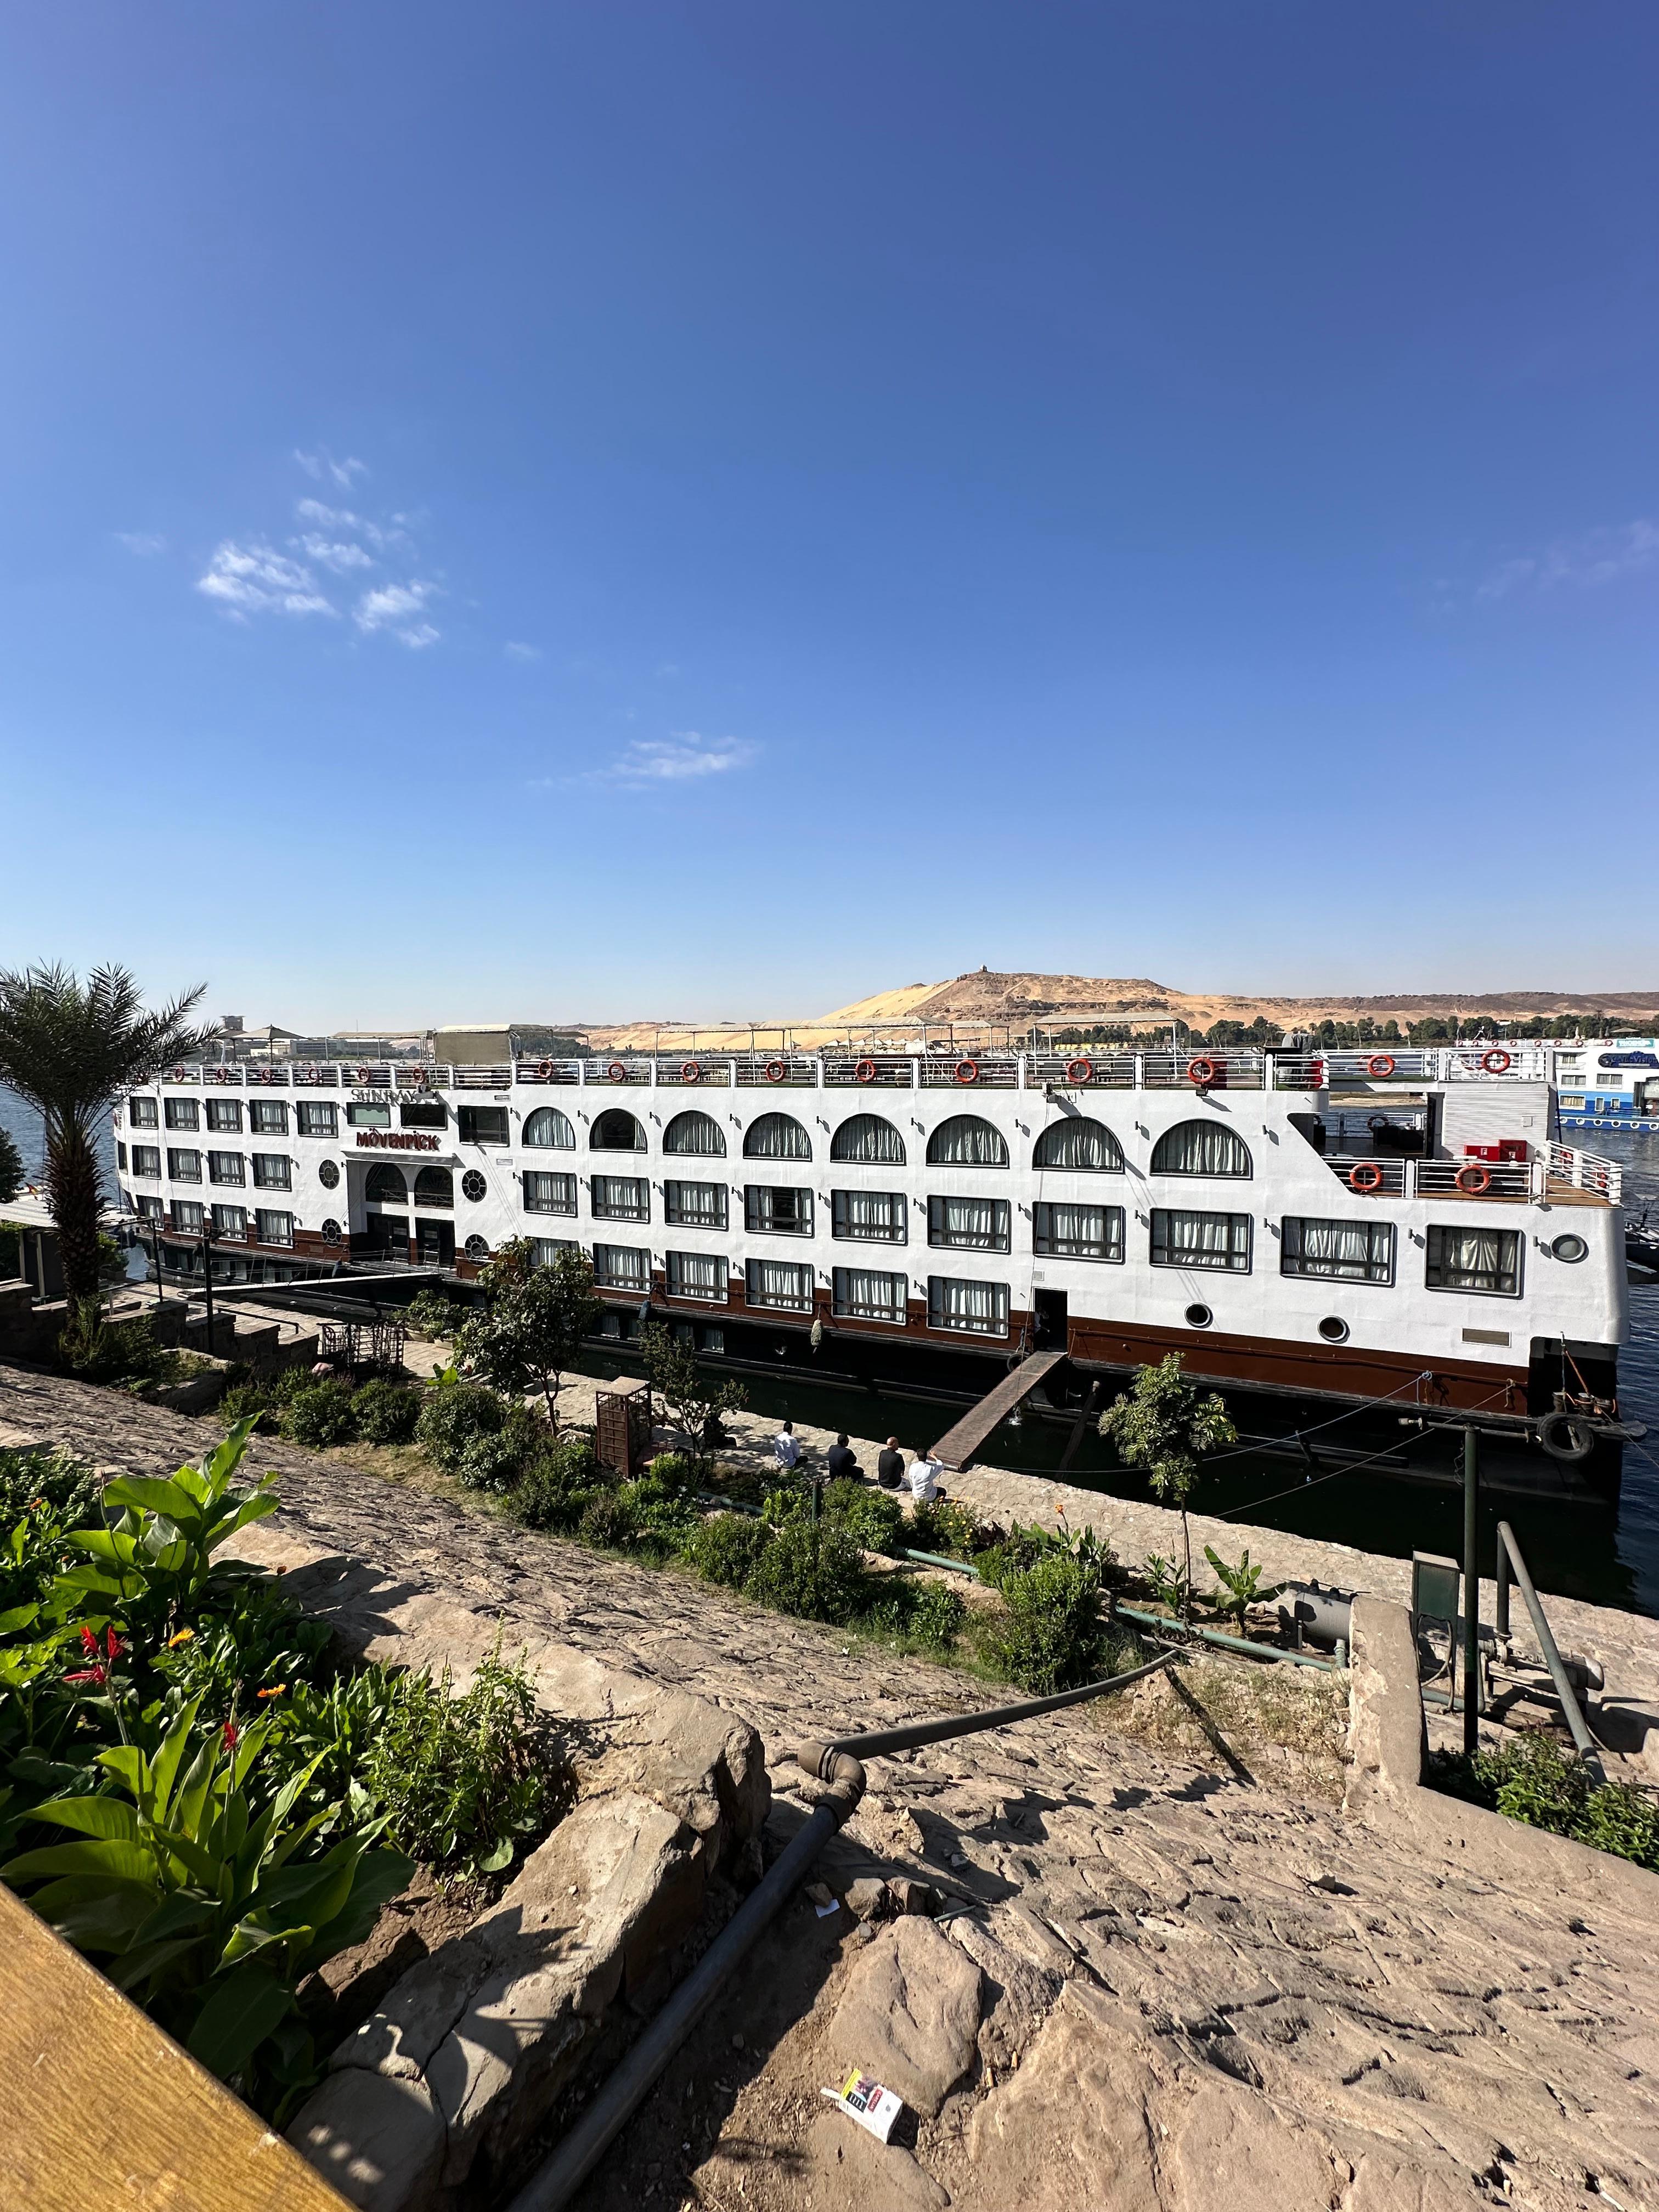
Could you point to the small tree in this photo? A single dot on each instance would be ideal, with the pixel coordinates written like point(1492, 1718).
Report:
point(532, 1323)
point(11, 1167)
point(1165, 1424)
point(694, 1401)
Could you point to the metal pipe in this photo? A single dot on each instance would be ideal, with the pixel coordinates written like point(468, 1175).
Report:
point(1501, 1612)
point(614, 2103)
point(1471, 1590)
point(1161, 1624)
point(954, 1724)
point(1547, 1643)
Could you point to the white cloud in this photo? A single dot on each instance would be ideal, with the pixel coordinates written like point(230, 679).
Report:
point(684, 757)
point(256, 579)
point(322, 464)
point(1594, 558)
point(393, 606)
point(144, 543)
point(517, 652)
point(339, 556)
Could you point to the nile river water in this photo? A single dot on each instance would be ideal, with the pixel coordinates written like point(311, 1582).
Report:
point(1609, 1555)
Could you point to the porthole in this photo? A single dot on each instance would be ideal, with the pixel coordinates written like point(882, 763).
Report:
point(330, 1232)
point(328, 1174)
point(1569, 1247)
point(477, 1248)
point(1333, 1329)
point(1199, 1316)
point(473, 1186)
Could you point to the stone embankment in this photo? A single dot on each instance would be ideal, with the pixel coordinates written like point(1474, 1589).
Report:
point(1189, 1985)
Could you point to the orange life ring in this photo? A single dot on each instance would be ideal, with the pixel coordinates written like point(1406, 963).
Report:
point(177, 1076)
point(776, 1070)
point(690, 1072)
point(224, 1075)
point(311, 1075)
point(1366, 1175)
point(364, 1075)
point(1472, 1180)
point(1497, 1062)
point(617, 1071)
point(1202, 1072)
point(1380, 1063)
point(544, 1069)
point(967, 1071)
point(865, 1071)
point(1080, 1071)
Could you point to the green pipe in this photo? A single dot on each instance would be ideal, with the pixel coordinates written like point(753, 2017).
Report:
point(1221, 1640)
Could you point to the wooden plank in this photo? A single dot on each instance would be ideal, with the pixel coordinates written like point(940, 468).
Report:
point(957, 1448)
point(101, 2108)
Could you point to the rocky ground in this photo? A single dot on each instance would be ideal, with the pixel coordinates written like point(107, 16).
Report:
point(1168, 1972)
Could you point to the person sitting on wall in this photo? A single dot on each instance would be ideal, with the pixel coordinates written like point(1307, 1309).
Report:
point(925, 1472)
point(889, 1467)
point(786, 1446)
point(839, 1460)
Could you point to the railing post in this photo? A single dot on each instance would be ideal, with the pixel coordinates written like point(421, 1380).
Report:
point(1140, 1071)
point(1471, 1590)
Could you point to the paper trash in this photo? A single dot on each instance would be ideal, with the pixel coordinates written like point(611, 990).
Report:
point(874, 2107)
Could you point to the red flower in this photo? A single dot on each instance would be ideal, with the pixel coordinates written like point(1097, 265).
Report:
point(89, 1639)
point(113, 1645)
point(98, 1675)
point(230, 1734)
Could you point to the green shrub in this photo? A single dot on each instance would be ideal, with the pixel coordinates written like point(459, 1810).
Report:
point(937, 1613)
point(249, 1401)
point(285, 1385)
point(870, 1516)
point(608, 1520)
point(783, 1505)
point(744, 1485)
point(321, 1415)
point(1534, 1781)
point(452, 1414)
point(672, 1469)
point(44, 1495)
point(558, 1484)
point(816, 1573)
point(495, 1459)
point(943, 1526)
point(100, 1349)
point(727, 1548)
point(431, 1313)
point(1049, 1637)
point(386, 1413)
point(664, 1519)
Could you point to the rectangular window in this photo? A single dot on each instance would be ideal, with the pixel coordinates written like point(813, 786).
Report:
point(268, 1117)
point(369, 1116)
point(151, 1209)
point(230, 1220)
point(549, 1194)
point(772, 1211)
point(184, 1167)
point(697, 1275)
point(275, 1228)
point(1353, 1251)
point(695, 1205)
point(182, 1114)
point(1078, 1232)
point(316, 1118)
point(147, 1159)
point(120, 1154)
point(867, 1294)
point(423, 1113)
point(621, 1267)
point(483, 1125)
point(1484, 1260)
point(226, 1167)
point(975, 1308)
point(1184, 1238)
point(141, 1113)
point(982, 1224)
point(545, 1250)
point(875, 1217)
point(187, 1216)
point(272, 1171)
point(621, 1198)
point(225, 1116)
point(780, 1286)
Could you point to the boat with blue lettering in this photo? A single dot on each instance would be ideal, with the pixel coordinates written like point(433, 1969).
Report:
point(1609, 1083)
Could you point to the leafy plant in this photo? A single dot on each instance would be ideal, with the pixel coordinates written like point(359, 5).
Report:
point(452, 1414)
point(1239, 1587)
point(608, 1520)
point(930, 1613)
point(816, 1573)
point(695, 1403)
point(322, 1415)
point(249, 1401)
point(1167, 1580)
point(385, 1413)
point(100, 1349)
point(870, 1517)
point(532, 1323)
point(432, 1313)
point(494, 1459)
point(1531, 1779)
point(945, 1526)
point(1050, 1635)
point(558, 1484)
point(1165, 1424)
point(11, 1167)
point(727, 1548)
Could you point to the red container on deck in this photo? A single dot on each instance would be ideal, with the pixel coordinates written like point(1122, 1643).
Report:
point(1515, 1149)
point(1483, 1152)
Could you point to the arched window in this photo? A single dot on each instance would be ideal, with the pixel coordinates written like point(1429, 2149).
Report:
point(777, 1137)
point(616, 1131)
point(1200, 1148)
point(385, 1185)
point(695, 1132)
point(434, 1187)
point(1079, 1142)
point(547, 1126)
point(966, 1141)
point(867, 1137)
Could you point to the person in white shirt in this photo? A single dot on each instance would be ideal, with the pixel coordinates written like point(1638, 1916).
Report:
point(786, 1446)
point(925, 1472)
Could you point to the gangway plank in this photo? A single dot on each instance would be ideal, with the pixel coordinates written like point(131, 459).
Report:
point(957, 1448)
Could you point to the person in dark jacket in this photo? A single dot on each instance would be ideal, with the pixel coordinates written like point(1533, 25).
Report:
point(839, 1460)
point(889, 1467)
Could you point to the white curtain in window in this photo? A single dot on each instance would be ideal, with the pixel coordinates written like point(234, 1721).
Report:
point(542, 1193)
point(548, 1129)
point(981, 1308)
point(871, 1214)
point(1081, 1144)
point(623, 1267)
point(275, 1228)
point(1185, 1239)
point(966, 1141)
point(974, 1221)
point(1474, 1259)
point(1357, 1250)
point(695, 1132)
point(620, 1194)
point(230, 1220)
point(870, 1293)
point(1200, 1148)
point(186, 1214)
point(697, 1204)
point(545, 1250)
point(779, 1283)
point(868, 1136)
point(1090, 1231)
point(697, 1275)
point(777, 1137)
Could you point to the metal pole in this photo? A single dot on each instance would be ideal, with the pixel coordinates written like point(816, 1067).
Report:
point(1471, 1590)
point(207, 1280)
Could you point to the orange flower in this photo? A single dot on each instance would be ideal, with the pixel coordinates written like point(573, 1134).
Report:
point(275, 1690)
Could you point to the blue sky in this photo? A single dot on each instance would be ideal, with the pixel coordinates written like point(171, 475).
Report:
point(564, 510)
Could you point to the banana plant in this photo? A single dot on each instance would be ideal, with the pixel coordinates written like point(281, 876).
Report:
point(207, 1912)
point(1238, 1588)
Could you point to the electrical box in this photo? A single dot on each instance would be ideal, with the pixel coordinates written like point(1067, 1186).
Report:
point(1436, 1588)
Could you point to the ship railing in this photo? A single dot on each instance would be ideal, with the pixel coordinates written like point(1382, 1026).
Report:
point(780, 1071)
point(879, 1071)
point(1369, 1176)
point(1468, 1178)
point(1514, 1061)
point(1082, 1070)
point(547, 1070)
point(1378, 1063)
point(693, 1074)
point(962, 1072)
point(498, 1076)
point(1204, 1068)
point(1583, 1171)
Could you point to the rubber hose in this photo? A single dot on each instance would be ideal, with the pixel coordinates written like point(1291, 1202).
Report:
point(938, 1731)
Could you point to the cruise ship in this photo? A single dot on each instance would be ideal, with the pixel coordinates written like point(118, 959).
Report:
point(1403, 1232)
point(1611, 1082)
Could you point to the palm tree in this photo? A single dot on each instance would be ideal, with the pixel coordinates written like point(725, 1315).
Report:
point(69, 1048)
